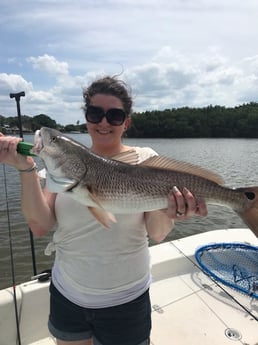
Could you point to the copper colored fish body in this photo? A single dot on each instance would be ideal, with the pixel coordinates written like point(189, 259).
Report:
point(120, 185)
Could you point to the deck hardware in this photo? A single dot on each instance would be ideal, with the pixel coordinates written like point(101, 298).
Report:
point(233, 334)
point(157, 308)
point(207, 287)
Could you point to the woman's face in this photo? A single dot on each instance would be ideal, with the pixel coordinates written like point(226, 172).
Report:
point(103, 133)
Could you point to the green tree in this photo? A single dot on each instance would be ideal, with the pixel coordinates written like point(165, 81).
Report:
point(42, 120)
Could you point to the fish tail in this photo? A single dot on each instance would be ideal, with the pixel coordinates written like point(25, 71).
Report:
point(249, 211)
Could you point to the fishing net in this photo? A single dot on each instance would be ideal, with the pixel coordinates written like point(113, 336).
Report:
point(233, 264)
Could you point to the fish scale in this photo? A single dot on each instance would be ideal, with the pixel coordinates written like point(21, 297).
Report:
point(141, 193)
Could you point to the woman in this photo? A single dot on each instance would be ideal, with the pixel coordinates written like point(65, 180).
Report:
point(101, 278)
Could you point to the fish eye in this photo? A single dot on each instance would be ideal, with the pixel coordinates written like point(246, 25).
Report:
point(53, 139)
point(250, 195)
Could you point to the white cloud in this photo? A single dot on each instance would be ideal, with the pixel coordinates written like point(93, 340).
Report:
point(13, 82)
point(171, 79)
point(178, 80)
point(49, 64)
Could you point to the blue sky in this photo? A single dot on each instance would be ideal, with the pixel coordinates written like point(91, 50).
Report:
point(172, 53)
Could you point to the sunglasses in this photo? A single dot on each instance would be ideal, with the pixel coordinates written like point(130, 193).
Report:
point(114, 116)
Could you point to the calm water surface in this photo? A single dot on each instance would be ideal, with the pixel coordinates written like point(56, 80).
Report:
point(234, 159)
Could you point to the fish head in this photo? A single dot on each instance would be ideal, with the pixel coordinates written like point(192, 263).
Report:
point(62, 158)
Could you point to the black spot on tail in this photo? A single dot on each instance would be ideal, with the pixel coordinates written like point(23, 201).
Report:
point(250, 195)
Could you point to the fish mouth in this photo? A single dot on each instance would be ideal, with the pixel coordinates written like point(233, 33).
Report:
point(38, 143)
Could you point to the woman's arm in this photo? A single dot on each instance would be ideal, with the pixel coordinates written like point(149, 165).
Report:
point(37, 204)
point(158, 225)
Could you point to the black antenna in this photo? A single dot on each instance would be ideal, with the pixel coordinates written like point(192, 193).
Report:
point(17, 97)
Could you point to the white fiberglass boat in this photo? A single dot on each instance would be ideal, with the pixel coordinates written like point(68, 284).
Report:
point(188, 306)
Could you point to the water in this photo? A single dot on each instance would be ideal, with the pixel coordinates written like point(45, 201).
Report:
point(234, 159)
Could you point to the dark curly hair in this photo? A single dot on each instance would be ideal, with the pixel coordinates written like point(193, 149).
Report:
point(109, 86)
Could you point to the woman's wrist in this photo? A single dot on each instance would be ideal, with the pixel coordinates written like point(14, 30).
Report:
point(24, 165)
point(30, 169)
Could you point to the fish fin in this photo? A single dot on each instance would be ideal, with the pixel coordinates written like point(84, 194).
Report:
point(249, 212)
point(102, 216)
point(162, 162)
point(57, 185)
point(128, 157)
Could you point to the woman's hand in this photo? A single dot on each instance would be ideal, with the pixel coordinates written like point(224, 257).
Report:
point(9, 154)
point(182, 205)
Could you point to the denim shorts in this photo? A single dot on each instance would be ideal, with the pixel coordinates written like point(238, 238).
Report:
point(125, 324)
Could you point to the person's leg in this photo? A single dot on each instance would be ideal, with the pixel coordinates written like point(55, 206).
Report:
point(96, 342)
point(79, 342)
point(68, 322)
point(126, 324)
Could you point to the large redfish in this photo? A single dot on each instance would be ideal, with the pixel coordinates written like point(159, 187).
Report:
point(110, 186)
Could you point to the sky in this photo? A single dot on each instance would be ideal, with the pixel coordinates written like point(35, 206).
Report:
point(171, 53)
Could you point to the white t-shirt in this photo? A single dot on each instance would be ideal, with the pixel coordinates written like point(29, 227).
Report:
point(97, 267)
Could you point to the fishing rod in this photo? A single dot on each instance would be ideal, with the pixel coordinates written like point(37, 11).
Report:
point(12, 262)
point(17, 97)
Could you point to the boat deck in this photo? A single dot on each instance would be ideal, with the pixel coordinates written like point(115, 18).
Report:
point(188, 307)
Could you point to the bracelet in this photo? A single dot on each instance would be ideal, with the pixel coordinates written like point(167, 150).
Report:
point(33, 168)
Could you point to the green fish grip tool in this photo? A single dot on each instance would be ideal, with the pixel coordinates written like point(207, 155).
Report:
point(24, 148)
